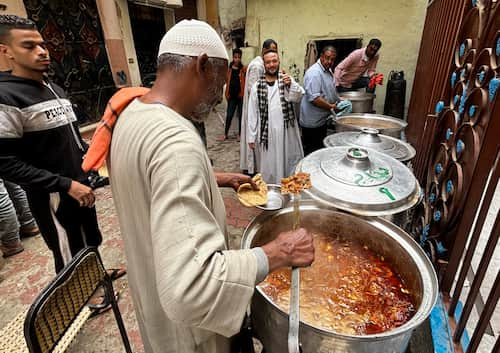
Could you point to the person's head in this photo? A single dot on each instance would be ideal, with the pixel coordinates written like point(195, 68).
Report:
point(269, 44)
point(327, 56)
point(193, 56)
point(23, 46)
point(237, 56)
point(373, 47)
point(271, 62)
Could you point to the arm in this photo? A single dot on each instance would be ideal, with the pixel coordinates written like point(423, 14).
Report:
point(253, 117)
point(200, 283)
point(14, 169)
point(372, 66)
point(233, 180)
point(253, 74)
point(298, 91)
point(312, 85)
point(320, 102)
point(26, 175)
point(344, 65)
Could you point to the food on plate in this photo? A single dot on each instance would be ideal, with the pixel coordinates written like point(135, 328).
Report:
point(250, 197)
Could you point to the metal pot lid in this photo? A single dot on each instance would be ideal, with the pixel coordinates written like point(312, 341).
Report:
point(371, 138)
point(360, 180)
point(374, 121)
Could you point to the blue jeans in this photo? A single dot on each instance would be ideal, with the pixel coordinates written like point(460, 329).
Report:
point(361, 82)
point(14, 212)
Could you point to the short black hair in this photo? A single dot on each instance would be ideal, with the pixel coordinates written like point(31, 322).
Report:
point(376, 42)
point(328, 48)
point(237, 51)
point(268, 42)
point(267, 51)
point(10, 22)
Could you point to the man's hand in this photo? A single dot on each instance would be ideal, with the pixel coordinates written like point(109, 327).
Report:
point(82, 193)
point(251, 145)
point(292, 248)
point(287, 79)
point(234, 180)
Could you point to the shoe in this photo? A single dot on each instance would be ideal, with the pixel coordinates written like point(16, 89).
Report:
point(115, 273)
point(99, 305)
point(222, 138)
point(12, 248)
point(29, 232)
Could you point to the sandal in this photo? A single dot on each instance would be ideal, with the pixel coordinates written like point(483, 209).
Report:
point(115, 273)
point(98, 309)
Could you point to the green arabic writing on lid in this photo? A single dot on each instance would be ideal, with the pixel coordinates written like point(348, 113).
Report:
point(387, 192)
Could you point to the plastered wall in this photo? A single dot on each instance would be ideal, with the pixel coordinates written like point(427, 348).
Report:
point(292, 23)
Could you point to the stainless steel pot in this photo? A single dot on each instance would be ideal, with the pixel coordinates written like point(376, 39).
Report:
point(362, 102)
point(386, 125)
point(397, 247)
point(371, 138)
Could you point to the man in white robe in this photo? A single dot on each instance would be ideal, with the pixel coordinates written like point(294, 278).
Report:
point(273, 130)
point(190, 292)
point(254, 71)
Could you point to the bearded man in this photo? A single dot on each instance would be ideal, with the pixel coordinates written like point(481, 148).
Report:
point(254, 71)
point(273, 129)
point(190, 292)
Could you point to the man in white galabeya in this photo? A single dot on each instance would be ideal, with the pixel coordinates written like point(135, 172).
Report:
point(190, 292)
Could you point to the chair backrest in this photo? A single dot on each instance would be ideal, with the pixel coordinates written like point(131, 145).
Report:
point(62, 300)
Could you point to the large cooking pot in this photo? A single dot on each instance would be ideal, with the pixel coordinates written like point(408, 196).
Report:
point(397, 247)
point(362, 102)
point(386, 125)
point(371, 138)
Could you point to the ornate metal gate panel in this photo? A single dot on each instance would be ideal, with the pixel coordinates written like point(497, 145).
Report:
point(458, 122)
point(74, 37)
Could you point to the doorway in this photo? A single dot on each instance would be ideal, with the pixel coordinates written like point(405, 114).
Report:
point(344, 47)
point(148, 28)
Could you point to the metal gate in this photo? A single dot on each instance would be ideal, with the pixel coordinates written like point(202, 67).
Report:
point(454, 121)
point(73, 33)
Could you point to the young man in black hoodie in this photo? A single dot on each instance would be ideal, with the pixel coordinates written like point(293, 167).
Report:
point(40, 146)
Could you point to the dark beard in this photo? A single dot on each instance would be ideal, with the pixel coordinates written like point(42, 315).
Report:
point(272, 74)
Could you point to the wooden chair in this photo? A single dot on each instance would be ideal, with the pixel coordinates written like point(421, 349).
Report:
point(59, 312)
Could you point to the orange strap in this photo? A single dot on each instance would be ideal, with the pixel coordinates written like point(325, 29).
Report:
point(101, 141)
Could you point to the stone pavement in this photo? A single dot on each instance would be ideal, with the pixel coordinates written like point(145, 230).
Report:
point(23, 276)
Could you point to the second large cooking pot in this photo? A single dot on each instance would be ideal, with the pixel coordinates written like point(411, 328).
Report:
point(362, 102)
point(386, 125)
point(398, 248)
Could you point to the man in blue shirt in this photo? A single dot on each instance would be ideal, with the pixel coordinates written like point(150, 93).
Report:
point(319, 100)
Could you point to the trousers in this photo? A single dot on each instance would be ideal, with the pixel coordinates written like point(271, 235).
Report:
point(65, 226)
point(14, 212)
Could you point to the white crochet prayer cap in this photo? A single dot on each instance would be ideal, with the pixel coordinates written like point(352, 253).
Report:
point(192, 38)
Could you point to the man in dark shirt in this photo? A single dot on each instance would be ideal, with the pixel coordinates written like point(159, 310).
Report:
point(41, 149)
point(235, 83)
